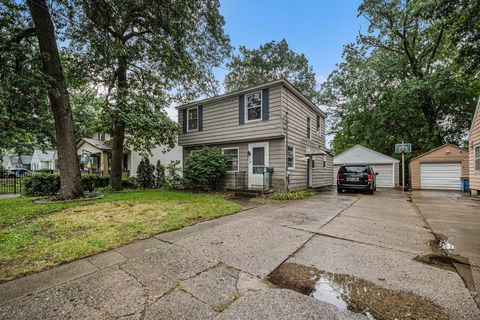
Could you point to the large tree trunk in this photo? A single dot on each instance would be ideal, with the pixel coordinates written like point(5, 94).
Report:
point(70, 179)
point(119, 127)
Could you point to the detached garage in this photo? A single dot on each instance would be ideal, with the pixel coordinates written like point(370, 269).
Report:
point(439, 169)
point(386, 167)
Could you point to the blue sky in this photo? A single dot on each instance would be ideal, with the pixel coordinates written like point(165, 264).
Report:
point(316, 28)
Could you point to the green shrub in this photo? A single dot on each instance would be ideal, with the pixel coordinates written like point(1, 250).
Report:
point(293, 195)
point(204, 169)
point(41, 184)
point(173, 179)
point(44, 184)
point(129, 183)
point(94, 181)
point(145, 173)
point(159, 175)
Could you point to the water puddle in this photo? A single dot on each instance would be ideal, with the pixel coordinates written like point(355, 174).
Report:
point(354, 294)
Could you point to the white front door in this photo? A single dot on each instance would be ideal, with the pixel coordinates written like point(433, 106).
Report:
point(257, 161)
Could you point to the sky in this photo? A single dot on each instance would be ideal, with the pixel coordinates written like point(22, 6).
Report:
point(317, 28)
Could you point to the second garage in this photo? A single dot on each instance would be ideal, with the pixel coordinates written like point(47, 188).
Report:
point(439, 169)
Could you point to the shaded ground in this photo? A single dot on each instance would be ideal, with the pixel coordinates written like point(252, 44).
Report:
point(218, 269)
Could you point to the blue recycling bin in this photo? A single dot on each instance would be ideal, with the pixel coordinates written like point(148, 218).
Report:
point(465, 184)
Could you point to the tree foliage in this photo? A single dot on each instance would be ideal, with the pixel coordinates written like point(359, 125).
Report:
point(205, 168)
point(399, 82)
point(145, 173)
point(25, 118)
point(147, 55)
point(271, 61)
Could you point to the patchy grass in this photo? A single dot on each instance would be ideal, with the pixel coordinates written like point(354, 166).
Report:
point(282, 196)
point(36, 236)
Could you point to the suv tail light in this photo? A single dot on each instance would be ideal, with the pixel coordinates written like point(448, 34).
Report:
point(370, 177)
point(339, 176)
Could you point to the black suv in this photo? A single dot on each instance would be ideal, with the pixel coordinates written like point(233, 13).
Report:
point(356, 177)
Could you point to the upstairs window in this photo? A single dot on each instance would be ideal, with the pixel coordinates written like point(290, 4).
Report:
point(232, 156)
point(192, 119)
point(477, 158)
point(318, 124)
point(324, 161)
point(291, 157)
point(254, 106)
point(309, 130)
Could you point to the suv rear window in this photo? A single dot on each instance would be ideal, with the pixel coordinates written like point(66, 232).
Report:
point(353, 169)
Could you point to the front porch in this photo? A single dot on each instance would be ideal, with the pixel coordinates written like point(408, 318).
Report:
point(264, 185)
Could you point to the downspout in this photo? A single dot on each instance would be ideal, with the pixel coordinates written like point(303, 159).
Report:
point(287, 176)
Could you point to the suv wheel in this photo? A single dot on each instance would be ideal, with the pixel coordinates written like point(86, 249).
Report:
point(339, 190)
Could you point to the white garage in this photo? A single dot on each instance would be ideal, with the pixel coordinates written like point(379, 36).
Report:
point(386, 166)
point(446, 176)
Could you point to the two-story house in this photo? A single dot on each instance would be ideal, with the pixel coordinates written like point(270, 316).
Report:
point(273, 136)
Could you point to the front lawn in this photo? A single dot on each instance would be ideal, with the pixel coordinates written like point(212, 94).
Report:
point(36, 236)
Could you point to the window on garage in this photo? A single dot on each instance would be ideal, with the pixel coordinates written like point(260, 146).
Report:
point(477, 158)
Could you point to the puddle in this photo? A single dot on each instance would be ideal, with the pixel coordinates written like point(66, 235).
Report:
point(355, 294)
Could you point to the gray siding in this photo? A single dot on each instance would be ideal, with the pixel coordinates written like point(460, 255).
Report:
point(298, 112)
point(221, 123)
point(322, 175)
point(276, 160)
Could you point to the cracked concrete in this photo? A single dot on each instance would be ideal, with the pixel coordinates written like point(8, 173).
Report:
point(217, 269)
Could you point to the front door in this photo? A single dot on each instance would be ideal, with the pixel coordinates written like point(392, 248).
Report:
point(257, 162)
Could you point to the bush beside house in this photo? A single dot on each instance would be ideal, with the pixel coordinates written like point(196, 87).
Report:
point(204, 169)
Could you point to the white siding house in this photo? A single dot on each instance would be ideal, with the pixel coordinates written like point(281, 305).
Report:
point(157, 154)
point(386, 166)
point(42, 160)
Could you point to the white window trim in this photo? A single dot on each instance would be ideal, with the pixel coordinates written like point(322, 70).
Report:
point(313, 162)
point(238, 158)
point(309, 133)
point(475, 158)
point(193, 130)
point(261, 107)
point(293, 167)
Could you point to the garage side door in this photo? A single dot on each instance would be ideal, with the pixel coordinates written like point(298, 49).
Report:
point(385, 175)
point(444, 176)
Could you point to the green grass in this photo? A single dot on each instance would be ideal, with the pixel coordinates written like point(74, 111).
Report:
point(36, 236)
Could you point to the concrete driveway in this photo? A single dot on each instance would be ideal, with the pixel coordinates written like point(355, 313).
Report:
point(348, 256)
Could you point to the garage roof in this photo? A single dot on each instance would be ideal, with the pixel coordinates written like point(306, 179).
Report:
point(361, 154)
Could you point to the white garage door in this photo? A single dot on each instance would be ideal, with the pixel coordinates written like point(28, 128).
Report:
point(385, 175)
point(440, 176)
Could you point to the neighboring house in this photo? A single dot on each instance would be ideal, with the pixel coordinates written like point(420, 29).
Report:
point(273, 136)
point(7, 163)
point(385, 166)
point(441, 168)
point(474, 154)
point(95, 156)
point(43, 160)
point(19, 162)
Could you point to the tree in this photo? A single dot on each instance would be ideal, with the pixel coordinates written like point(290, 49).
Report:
point(398, 82)
point(25, 117)
point(147, 55)
point(70, 180)
point(271, 61)
point(145, 173)
point(205, 168)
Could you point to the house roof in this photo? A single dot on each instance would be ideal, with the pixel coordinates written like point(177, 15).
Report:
point(25, 160)
point(361, 154)
point(477, 113)
point(438, 148)
point(44, 155)
point(282, 81)
point(96, 143)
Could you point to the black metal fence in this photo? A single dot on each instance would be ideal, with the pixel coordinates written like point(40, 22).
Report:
point(241, 181)
point(11, 183)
